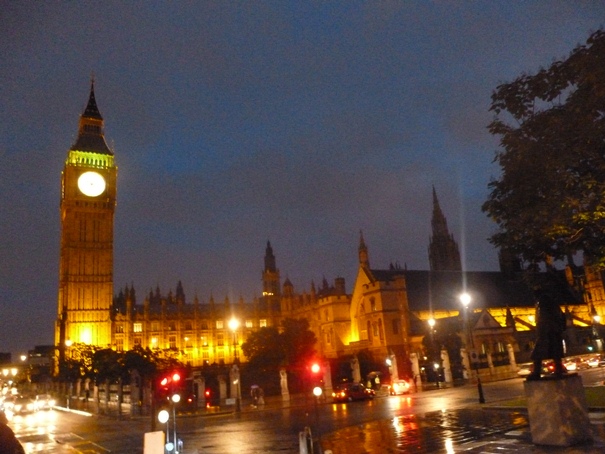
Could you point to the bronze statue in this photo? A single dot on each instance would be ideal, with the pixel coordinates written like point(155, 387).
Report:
point(550, 324)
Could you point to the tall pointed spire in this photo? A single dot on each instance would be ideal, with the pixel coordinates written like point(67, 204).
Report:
point(91, 136)
point(364, 259)
point(92, 111)
point(443, 249)
point(269, 258)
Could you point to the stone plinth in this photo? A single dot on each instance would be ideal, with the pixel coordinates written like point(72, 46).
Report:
point(558, 415)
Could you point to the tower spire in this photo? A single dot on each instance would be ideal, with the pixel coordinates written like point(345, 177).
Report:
point(92, 111)
point(364, 259)
point(91, 136)
point(443, 249)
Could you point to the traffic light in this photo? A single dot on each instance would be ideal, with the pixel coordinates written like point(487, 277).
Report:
point(170, 382)
point(315, 368)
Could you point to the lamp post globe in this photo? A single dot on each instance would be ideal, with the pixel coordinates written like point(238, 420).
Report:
point(163, 416)
point(465, 299)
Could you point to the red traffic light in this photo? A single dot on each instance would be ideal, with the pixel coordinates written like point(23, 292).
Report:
point(170, 379)
point(315, 368)
point(207, 393)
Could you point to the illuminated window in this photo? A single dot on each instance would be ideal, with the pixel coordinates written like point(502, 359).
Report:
point(249, 324)
point(262, 323)
point(137, 327)
point(219, 324)
point(171, 341)
point(204, 340)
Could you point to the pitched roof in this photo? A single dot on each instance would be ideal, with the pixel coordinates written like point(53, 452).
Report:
point(488, 289)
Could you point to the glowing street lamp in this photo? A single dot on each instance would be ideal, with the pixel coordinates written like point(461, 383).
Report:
point(233, 326)
point(465, 299)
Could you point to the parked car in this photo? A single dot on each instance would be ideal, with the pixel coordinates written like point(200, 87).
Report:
point(399, 387)
point(348, 392)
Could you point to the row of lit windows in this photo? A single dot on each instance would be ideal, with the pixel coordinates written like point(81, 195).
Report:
point(137, 327)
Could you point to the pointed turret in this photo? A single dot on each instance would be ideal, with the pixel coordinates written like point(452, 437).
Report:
point(443, 249)
point(91, 136)
point(269, 259)
point(364, 259)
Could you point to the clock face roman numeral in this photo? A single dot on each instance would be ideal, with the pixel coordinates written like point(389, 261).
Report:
point(91, 184)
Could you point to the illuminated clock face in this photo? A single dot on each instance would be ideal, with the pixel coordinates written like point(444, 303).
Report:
point(91, 184)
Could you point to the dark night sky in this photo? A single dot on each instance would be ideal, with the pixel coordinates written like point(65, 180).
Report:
point(234, 123)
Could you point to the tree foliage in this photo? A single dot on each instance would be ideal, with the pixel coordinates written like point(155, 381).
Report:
point(292, 347)
point(550, 198)
point(87, 361)
point(263, 348)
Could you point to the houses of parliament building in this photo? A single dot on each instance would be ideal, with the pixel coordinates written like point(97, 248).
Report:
point(387, 312)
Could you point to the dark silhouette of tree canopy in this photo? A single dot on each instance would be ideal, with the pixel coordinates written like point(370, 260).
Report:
point(549, 201)
point(263, 348)
point(292, 347)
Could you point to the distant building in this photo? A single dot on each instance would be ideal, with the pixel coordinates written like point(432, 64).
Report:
point(386, 316)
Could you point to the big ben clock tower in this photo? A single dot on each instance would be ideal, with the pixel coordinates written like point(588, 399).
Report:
point(88, 200)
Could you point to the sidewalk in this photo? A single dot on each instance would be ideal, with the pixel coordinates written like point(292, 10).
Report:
point(480, 430)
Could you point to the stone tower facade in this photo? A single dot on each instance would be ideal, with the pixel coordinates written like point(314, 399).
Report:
point(88, 200)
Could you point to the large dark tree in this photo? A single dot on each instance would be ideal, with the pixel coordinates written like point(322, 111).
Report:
point(291, 347)
point(549, 201)
point(269, 349)
point(264, 348)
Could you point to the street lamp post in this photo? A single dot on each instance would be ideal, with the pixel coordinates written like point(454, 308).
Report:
point(465, 299)
point(163, 417)
point(433, 350)
point(176, 398)
point(317, 392)
point(233, 326)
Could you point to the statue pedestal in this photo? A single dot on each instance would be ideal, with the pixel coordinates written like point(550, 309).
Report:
point(558, 415)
